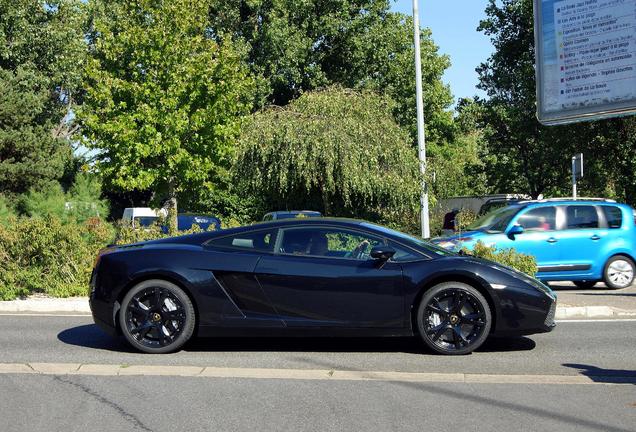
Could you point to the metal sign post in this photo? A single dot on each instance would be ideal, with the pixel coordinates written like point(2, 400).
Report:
point(577, 171)
point(421, 143)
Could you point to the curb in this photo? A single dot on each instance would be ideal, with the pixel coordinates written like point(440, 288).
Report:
point(47, 305)
point(577, 312)
point(79, 305)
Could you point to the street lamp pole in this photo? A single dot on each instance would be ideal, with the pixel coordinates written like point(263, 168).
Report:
point(421, 143)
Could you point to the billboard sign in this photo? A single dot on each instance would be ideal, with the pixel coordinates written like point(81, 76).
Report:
point(585, 59)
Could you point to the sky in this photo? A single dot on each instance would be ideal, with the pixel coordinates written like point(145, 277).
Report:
point(454, 27)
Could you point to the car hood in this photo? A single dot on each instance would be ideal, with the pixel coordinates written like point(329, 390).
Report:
point(457, 236)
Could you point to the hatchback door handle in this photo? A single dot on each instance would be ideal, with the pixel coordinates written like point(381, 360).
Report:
point(595, 237)
point(552, 240)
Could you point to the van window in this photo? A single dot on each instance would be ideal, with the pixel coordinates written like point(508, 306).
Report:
point(614, 216)
point(581, 217)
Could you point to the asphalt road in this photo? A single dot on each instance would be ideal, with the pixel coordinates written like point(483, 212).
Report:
point(32, 402)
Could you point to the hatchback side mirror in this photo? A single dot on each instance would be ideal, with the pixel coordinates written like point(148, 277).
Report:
point(515, 230)
point(382, 252)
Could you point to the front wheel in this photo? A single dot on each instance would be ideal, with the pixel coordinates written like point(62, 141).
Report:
point(157, 317)
point(453, 318)
point(619, 272)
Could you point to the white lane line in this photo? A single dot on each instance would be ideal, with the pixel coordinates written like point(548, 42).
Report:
point(590, 320)
point(25, 314)
point(303, 374)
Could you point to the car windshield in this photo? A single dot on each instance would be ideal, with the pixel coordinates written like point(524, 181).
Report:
point(496, 221)
point(145, 221)
point(410, 240)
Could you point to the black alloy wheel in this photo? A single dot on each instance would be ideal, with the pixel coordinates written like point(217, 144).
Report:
point(585, 284)
point(453, 318)
point(157, 317)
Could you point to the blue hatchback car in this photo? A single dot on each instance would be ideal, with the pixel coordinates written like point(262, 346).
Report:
point(582, 240)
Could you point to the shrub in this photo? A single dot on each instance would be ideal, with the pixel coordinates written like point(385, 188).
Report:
point(45, 255)
point(464, 219)
point(509, 257)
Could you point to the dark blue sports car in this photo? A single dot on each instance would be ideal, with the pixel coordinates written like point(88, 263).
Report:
point(305, 277)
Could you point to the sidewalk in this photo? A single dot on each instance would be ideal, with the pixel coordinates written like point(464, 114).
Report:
point(572, 303)
point(598, 302)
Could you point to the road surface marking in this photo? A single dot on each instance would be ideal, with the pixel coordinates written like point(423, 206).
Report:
point(30, 314)
point(303, 374)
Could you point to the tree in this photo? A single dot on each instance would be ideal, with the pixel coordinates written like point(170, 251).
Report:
point(521, 155)
point(163, 99)
point(525, 156)
point(336, 150)
point(298, 46)
point(41, 50)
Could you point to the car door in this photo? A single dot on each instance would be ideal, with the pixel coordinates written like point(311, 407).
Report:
point(233, 259)
point(323, 276)
point(540, 236)
point(582, 239)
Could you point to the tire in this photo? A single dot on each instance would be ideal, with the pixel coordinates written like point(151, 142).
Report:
point(585, 284)
point(157, 317)
point(619, 272)
point(453, 318)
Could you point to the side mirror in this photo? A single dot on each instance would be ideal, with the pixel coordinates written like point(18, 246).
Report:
point(515, 230)
point(382, 252)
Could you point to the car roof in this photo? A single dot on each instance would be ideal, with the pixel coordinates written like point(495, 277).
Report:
point(570, 201)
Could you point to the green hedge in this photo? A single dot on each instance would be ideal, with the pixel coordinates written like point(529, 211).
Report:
point(44, 255)
point(52, 256)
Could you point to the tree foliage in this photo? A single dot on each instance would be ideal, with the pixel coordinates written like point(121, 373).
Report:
point(163, 99)
point(336, 150)
point(520, 154)
point(41, 50)
point(297, 46)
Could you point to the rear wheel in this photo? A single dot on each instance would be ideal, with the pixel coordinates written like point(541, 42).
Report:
point(585, 284)
point(453, 318)
point(157, 317)
point(619, 272)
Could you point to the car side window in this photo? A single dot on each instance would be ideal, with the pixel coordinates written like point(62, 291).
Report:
point(328, 242)
point(402, 253)
point(538, 219)
point(581, 217)
point(613, 216)
point(262, 240)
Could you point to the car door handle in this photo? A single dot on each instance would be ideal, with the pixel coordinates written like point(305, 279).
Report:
point(595, 237)
point(552, 240)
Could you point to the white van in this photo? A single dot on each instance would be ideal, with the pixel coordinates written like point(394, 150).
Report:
point(139, 217)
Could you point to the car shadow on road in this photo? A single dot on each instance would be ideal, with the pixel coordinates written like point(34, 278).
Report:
point(601, 375)
point(409, 345)
point(91, 336)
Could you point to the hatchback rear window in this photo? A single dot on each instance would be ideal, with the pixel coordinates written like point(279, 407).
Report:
point(581, 217)
point(614, 216)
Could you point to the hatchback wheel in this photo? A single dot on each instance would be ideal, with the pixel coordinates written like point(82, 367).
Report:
point(453, 318)
point(157, 317)
point(619, 272)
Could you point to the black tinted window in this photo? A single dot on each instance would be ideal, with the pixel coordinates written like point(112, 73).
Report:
point(614, 216)
point(538, 219)
point(581, 217)
point(262, 241)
